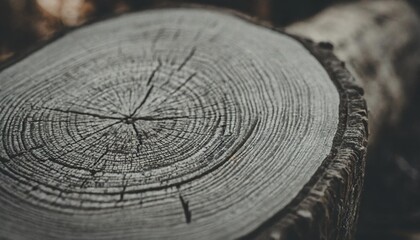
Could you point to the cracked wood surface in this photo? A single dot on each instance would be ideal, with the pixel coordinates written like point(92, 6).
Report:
point(178, 123)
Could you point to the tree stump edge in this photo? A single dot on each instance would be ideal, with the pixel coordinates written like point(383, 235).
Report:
point(333, 194)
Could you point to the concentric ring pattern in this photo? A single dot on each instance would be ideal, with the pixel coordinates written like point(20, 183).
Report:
point(180, 123)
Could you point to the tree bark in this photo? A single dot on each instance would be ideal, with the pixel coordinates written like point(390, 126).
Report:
point(180, 123)
point(385, 61)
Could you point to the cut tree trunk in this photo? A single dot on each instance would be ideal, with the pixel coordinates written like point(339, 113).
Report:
point(180, 123)
point(380, 43)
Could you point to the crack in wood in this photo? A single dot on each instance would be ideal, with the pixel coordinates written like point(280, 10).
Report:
point(138, 136)
point(185, 207)
point(178, 88)
point(142, 102)
point(155, 118)
point(154, 72)
point(82, 113)
point(124, 188)
point(93, 171)
point(187, 59)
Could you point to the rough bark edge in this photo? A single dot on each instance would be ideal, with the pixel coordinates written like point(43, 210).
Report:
point(327, 206)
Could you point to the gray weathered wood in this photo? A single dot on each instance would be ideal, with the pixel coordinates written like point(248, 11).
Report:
point(380, 43)
point(179, 123)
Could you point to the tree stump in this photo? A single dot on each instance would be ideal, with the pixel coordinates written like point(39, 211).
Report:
point(180, 123)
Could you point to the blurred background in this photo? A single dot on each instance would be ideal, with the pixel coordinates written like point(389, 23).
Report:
point(391, 198)
point(24, 22)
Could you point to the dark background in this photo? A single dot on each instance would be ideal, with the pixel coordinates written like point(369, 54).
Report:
point(23, 22)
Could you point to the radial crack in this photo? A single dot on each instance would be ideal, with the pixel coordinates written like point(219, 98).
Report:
point(82, 113)
point(93, 171)
point(154, 118)
point(138, 136)
point(153, 73)
point(179, 87)
point(124, 188)
point(187, 59)
point(142, 102)
point(185, 207)
point(184, 83)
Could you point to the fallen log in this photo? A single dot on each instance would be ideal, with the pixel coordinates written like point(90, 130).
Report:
point(180, 123)
point(380, 43)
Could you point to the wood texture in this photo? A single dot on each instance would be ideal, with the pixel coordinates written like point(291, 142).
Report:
point(182, 124)
point(380, 43)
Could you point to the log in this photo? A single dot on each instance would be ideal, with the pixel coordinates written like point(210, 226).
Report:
point(180, 123)
point(380, 43)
